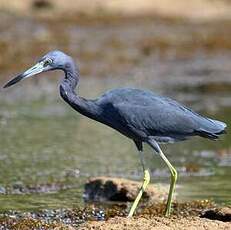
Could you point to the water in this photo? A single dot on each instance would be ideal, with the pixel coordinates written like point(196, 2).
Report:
point(47, 147)
point(44, 142)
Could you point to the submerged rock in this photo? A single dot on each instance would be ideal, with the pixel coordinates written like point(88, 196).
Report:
point(117, 189)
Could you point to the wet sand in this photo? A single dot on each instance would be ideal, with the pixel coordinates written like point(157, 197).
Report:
point(158, 223)
point(202, 215)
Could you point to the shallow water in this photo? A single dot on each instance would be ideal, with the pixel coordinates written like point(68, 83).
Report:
point(44, 142)
point(48, 148)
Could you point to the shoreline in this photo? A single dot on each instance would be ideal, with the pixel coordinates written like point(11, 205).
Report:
point(196, 10)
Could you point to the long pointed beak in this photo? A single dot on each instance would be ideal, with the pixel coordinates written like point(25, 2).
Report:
point(36, 69)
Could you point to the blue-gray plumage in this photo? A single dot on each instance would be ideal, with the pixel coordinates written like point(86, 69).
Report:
point(141, 115)
point(138, 114)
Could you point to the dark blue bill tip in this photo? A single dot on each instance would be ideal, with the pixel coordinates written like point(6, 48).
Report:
point(14, 81)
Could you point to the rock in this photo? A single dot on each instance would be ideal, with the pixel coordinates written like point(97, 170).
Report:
point(222, 214)
point(117, 189)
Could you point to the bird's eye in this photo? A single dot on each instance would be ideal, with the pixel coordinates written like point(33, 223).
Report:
point(47, 62)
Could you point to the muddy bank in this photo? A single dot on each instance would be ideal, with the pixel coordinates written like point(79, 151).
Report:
point(194, 215)
point(191, 216)
point(107, 46)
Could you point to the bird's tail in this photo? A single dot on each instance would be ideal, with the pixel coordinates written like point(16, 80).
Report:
point(212, 129)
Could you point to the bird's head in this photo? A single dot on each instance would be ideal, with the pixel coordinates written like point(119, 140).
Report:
point(51, 61)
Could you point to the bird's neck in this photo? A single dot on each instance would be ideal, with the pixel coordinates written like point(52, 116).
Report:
point(67, 91)
point(72, 75)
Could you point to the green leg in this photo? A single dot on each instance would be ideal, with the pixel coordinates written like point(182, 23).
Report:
point(172, 185)
point(142, 189)
point(173, 177)
point(144, 185)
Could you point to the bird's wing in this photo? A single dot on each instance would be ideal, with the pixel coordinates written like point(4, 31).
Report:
point(163, 117)
point(155, 115)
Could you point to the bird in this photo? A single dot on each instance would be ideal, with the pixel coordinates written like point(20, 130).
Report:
point(141, 115)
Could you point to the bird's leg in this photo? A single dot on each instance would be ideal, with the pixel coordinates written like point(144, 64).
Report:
point(172, 185)
point(146, 181)
point(173, 177)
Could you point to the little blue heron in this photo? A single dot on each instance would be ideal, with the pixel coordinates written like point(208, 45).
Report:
point(138, 114)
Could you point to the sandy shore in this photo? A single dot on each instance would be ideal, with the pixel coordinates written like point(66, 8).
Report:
point(198, 215)
point(192, 216)
point(157, 223)
point(195, 9)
